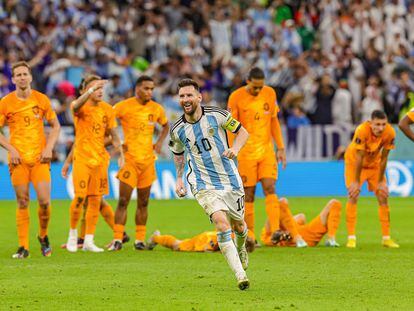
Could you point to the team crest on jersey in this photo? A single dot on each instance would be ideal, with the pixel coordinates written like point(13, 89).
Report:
point(151, 118)
point(211, 131)
point(266, 107)
point(35, 110)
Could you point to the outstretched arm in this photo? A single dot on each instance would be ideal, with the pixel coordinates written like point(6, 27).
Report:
point(404, 126)
point(81, 100)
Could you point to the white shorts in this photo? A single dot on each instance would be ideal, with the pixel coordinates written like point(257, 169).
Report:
point(229, 201)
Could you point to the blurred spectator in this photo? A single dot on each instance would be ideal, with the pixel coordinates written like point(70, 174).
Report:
point(342, 105)
point(373, 98)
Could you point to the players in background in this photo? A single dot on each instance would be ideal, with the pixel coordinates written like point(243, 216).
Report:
point(294, 228)
point(406, 123)
point(94, 119)
point(365, 161)
point(255, 106)
point(213, 176)
point(203, 242)
point(138, 116)
point(105, 209)
point(30, 153)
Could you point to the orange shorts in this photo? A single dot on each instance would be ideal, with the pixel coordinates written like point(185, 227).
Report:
point(90, 180)
point(23, 174)
point(313, 231)
point(252, 171)
point(137, 175)
point(369, 175)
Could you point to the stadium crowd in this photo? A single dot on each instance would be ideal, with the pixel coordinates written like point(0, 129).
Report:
point(330, 61)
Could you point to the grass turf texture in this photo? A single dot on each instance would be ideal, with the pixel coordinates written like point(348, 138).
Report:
point(367, 278)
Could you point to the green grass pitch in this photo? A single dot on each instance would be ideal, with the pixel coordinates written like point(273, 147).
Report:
point(367, 278)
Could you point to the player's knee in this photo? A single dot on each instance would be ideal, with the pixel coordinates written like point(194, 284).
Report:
point(123, 202)
point(44, 202)
point(335, 203)
point(143, 203)
point(283, 200)
point(239, 226)
point(23, 201)
point(269, 189)
point(382, 198)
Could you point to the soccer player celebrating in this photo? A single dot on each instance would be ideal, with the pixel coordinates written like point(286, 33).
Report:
point(254, 105)
point(326, 223)
point(24, 110)
point(94, 119)
point(405, 124)
point(365, 161)
point(138, 116)
point(213, 176)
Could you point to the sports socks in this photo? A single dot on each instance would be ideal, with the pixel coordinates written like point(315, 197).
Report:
point(229, 251)
point(351, 213)
point(118, 232)
point(108, 214)
point(384, 217)
point(287, 220)
point(92, 214)
point(249, 218)
point(334, 218)
point(140, 232)
point(240, 238)
point(165, 240)
point(23, 221)
point(44, 216)
point(273, 211)
point(75, 211)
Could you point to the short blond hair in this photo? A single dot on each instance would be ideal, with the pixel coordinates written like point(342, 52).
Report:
point(88, 79)
point(20, 64)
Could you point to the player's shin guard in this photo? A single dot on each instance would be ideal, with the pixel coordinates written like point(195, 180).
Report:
point(228, 249)
point(108, 214)
point(384, 217)
point(351, 214)
point(240, 238)
point(334, 218)
point(165, 240)
point(140, 232)
point(273, 211)
point(249, 218)
point(92, 214)
point(23, 220)
point(287, 220)
point(44, 216)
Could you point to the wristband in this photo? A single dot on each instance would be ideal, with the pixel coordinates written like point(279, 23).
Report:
point(91, 90)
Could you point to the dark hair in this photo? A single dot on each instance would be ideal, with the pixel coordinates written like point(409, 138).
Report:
point(20, 64)
point(256, 73)
point(188, 82)
point(142, 79)
point(378, 114)
point(86, 80)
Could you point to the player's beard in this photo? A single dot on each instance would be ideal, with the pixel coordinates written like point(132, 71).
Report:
point(192, 110)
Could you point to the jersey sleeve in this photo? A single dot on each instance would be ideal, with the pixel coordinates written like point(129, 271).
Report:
point(2, 112)
point(111, 117)
point(162, 118)
point(390, 142)
point(175, 145)
point(47, 106)
point(410, 115)
point(274, 110)
point(360, 138)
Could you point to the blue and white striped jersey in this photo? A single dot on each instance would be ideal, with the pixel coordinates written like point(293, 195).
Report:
point(204, 143)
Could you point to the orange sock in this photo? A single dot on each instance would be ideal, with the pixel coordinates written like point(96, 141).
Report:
point(119, 232)
point(273, 211)
point(351, 213)
point(140, 232)
point(333, 218)
point(249, 218)
point(44, 216)
point(108, 214)
point(287, 221)
point(92, 214)
point(384, 217)
point(165, 240)
point(76, 208)
point(23, 221)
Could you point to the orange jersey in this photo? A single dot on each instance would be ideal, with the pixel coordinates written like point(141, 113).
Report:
point(255, 114)
point(92, 122)
point(206, 241)
point(138, 123)
point(25, 119)
point(410, 115)
point(365, 140)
